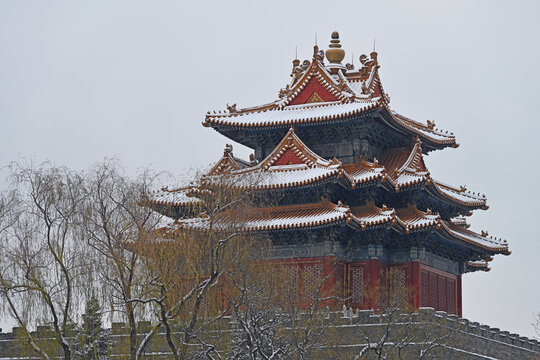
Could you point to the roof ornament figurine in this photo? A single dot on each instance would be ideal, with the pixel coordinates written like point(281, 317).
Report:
point(367, 63)
point(320, 55)
point(283, 92)
point(298, 70)
point(252, 160)
point(232, 108)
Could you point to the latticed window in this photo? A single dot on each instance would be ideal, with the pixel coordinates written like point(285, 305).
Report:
point(438, 292)
point(357, 284)
point(432, 290)
point(289, 278)
point(424, 291)
point(451, 295)
point(399, 285)
point(312, 280)
point(442, 294)
point(338, 276)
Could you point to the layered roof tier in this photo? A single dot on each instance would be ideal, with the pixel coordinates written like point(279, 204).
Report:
point(292, 165)
point(368, 217)
point(320, 95)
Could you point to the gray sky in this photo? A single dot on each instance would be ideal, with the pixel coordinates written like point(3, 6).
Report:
point(85, 80)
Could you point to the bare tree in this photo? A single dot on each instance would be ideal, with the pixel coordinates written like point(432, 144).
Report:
point(191, 264)
point(401, 333)
point(44, 272)
point(269, 321)
point(536, 324)
point(114, 221)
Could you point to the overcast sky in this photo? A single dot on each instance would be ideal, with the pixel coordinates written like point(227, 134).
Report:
point(85, 80)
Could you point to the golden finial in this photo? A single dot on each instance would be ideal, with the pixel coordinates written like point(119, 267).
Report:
point(335, 54)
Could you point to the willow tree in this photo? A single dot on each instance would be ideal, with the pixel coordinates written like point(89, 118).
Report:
point(113, 220)
point(193, 264)
point(44, 269)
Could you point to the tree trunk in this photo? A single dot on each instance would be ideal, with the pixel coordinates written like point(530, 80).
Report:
point(132, 332)
point(67, 351)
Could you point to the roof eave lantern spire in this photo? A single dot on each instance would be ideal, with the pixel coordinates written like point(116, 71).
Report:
point(335, 54)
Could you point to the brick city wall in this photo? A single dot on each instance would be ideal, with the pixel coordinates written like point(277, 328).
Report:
point(470, 340)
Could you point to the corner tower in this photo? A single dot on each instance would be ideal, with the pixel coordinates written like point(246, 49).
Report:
point(357, 200)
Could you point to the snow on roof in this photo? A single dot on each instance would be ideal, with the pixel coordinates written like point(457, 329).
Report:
point(280, 218)
point(482, 240)
point(299, 216)
point(365, 172)
point(407, 179)
point(278, 177)
point(357, 86)
point(414, 219)
point(294, 114)
point(271, 174)
point(325, 213)
point(405, 166)
point(461, 195)
point(228, 162)
point(428, 132)
point(183, 196)
point(460, 221)
point(478, 265)
point(356, 92)
point(369, 215)
point(409, 219)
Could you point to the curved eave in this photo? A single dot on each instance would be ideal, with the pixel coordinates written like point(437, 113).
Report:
point(331, 176)
point(481, 265)
point(415, 220)
point(482, 242)
point(365, 174)
point(409, 181)
point(431, 139)
point(471, 201)
point(218, 122)
point(299, 226)
point(186, 204)
point(377, 221)
point(174, 210)
point(295, 217)
point(310, 225)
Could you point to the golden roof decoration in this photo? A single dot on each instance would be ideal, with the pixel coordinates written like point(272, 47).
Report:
point(335, 54)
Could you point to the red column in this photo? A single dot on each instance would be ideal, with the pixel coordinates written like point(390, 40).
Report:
point(328, 288)
point(374, 283)
point(458, 295)
point(415, 284)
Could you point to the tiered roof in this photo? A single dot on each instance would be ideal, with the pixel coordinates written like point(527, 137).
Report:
point(367, 217)
point(292, 165)
point(228, 163)
point(322, 94)
point(318, 95)
point(406, 167)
